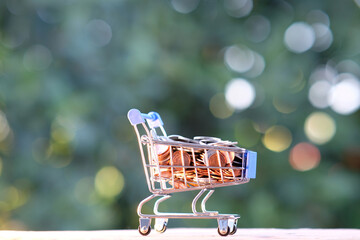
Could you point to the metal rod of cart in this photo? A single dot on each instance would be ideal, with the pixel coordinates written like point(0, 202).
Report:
point(177, 164)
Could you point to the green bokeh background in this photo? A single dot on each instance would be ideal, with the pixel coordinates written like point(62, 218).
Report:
point(65, 90)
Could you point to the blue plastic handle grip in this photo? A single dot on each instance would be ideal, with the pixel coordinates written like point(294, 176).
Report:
point(251, 164)
point(135, 117)
point(153, 119)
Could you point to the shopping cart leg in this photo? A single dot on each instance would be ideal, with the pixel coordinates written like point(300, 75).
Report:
point(142, 203)
point(196, 198)
point(160, 200)
point(203, 203)
point(160, 223)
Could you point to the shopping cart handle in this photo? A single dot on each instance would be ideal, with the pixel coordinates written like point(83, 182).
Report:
point(135, 117)
point(153, 119)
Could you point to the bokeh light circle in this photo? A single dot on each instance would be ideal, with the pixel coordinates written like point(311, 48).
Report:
point(319, 127)
point(323, 37)
point(109, 182)
point(299, 37)
point(239, 93)
point(348, 66)
point(323, 73)
point(184, 6)
point(258, 28)
point(238, 8)
point(304, 156)
point(318, 94)
point(344, 97)
point(318, 16)
point(99, 32)
point(258, 67)
point(277, 138)
point(219, 108)
point(239, 59)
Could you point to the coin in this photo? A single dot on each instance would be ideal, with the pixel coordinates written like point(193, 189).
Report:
point(215, 158)
point(181, 158)
point(206, 140)
point(180, 138)
point(163, 152)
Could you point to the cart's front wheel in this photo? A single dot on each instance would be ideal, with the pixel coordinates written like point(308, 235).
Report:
point(233, 231)
point(224, 232)
point(160, 224)
point(163, 229)
point(144, 230)
point(232, 225)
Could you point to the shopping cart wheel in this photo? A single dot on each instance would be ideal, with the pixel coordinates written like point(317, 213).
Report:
point(223, 228)
point(144, 226)
point(161, 224)
point(144, 231)
point(224, 232)
point(233, 231)
point(232, 225)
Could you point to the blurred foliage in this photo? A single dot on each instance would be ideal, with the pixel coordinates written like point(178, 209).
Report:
point(70, 71)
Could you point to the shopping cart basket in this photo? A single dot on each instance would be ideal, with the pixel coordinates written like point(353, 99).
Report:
point(177, 164)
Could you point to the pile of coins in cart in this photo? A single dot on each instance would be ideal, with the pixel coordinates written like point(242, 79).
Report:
point(185, 166)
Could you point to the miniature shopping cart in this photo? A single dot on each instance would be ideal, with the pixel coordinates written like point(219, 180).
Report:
point(177, 164)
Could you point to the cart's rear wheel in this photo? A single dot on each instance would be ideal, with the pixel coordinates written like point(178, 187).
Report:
point(224, 232)
point(144, 230)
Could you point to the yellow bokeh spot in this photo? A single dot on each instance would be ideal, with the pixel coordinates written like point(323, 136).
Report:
point(13, 198)
point(63, 130)
point(109, 182)
point(319, 127)
point(277, 138)
point(282, 106)
point(219, 108)
point(61, 135)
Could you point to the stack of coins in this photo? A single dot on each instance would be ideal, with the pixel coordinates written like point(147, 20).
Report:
point(185, 167)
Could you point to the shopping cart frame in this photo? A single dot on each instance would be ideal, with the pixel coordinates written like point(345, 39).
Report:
point(227, 223)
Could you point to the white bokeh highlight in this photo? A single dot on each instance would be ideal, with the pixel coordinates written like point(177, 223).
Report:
point(344, 97)
point(239, 93)
point(323, 37)
point(319, 94)
point(239, 59)
point(238, 8)
point(299, 37)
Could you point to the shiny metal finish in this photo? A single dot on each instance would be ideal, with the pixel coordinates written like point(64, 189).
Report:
point(176, 164)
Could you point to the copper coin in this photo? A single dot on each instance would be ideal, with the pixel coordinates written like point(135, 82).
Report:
point(181, 158)
point(163, 153)
point(237, 171)
point(178, 184)
point(215, 158)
